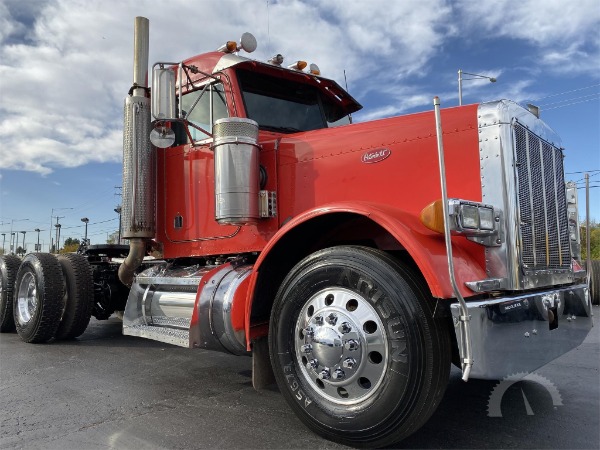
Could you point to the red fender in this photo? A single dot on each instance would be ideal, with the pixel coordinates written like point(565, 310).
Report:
point(426, 247)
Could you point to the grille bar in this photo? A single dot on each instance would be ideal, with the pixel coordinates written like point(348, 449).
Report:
point(544, 234)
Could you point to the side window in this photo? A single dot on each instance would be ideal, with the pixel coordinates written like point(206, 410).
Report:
point(204, 108)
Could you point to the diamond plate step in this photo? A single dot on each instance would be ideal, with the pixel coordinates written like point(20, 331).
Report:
point(177, 337)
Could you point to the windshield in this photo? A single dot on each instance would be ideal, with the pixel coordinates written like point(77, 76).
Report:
point(283, 105)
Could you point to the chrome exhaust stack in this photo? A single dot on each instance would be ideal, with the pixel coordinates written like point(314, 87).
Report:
point(138, 159)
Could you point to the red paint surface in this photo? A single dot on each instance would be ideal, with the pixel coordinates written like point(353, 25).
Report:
point(324, 171)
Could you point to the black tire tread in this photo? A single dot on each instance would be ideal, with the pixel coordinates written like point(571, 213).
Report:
point(9, 265)
point(439, 331)
point(79, 296)
point(51, 286)
point(434, 332)
point(595, 282)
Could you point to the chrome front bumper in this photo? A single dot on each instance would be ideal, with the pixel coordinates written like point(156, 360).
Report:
point(522, 333)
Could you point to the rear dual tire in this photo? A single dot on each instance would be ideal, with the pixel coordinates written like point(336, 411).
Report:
point(79, 295)
point(38, 300)
point(53, 297)
point(9, 266)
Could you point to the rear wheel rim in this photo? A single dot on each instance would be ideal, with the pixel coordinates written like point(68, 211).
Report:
point(341, 346)
point(27, 299)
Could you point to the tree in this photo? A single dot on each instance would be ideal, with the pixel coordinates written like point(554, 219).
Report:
point(71, 245)
point(594, 241)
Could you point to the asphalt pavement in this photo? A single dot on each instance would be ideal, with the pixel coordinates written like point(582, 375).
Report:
point(105, 390)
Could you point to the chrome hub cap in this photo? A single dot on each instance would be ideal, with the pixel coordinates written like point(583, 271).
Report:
point(26, 299)
point(341, 346)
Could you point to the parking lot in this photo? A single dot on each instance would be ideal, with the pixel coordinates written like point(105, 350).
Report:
point(106, 390)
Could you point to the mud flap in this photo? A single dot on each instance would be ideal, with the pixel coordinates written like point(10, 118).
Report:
point(262, 372)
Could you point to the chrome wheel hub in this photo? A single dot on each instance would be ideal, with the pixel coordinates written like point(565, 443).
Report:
point(341, 346)
point(26, 299)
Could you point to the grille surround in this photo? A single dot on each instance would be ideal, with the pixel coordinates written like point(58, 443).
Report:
point(541, 199)
point(500, 183)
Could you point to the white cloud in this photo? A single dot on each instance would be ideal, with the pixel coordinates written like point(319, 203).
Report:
point(66, 65)
point(565, 32)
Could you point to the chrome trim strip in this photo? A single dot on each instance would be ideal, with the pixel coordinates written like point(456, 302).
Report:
point(558, 237)
point(533, 230)
point(545, 198)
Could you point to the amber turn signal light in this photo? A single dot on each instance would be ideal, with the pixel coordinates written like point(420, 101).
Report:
point(432, 216)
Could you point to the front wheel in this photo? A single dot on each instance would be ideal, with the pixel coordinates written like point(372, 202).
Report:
point(355, 348)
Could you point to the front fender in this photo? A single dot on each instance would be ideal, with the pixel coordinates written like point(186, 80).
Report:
point(426, 247)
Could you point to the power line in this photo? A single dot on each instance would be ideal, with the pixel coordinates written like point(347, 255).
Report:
point(595, 94)
point(585, 171)
point(569, 104)
point(568, 92)
point(94, 223)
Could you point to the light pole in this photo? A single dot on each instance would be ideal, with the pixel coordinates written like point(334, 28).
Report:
point(474, 76)
point(23, 246)
point(118, 211)
point(85, 220)
point(58, 225)
point(37, 246)
point(12, 221)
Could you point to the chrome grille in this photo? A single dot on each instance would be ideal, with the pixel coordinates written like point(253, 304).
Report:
point(542, 203)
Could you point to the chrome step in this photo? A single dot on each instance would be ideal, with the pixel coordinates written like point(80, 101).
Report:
point(161, 333)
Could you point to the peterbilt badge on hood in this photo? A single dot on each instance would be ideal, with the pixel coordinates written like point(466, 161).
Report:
point(374, 156)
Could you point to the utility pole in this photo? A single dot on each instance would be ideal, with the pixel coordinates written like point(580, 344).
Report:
point(51, 217)
point(118, 211)
point(37, 246)
point(57, 235)
point(85, 220)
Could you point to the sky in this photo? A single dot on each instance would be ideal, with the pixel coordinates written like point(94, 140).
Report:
point(66, 67)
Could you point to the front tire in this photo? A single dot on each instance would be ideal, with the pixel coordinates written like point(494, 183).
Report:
point(9, 265)
point(38, 299)
point(355, 349)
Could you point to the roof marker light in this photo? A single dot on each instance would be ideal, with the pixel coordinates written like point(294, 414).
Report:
point(276, 60)
point(314, 69)
point(247, 43)
point(298, 65)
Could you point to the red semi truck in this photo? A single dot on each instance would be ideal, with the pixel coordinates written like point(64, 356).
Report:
point(355, 263)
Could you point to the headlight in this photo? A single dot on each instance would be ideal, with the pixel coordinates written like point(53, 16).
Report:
point(478, 222)
point(486, 218)
point(469, 216)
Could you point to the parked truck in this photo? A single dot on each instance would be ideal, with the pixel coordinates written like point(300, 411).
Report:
point(354, 263)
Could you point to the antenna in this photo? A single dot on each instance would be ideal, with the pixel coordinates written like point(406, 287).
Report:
point(268, 30)
point(346, 82)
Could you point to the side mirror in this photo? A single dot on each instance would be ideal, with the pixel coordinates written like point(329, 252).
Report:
point(164, 104)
